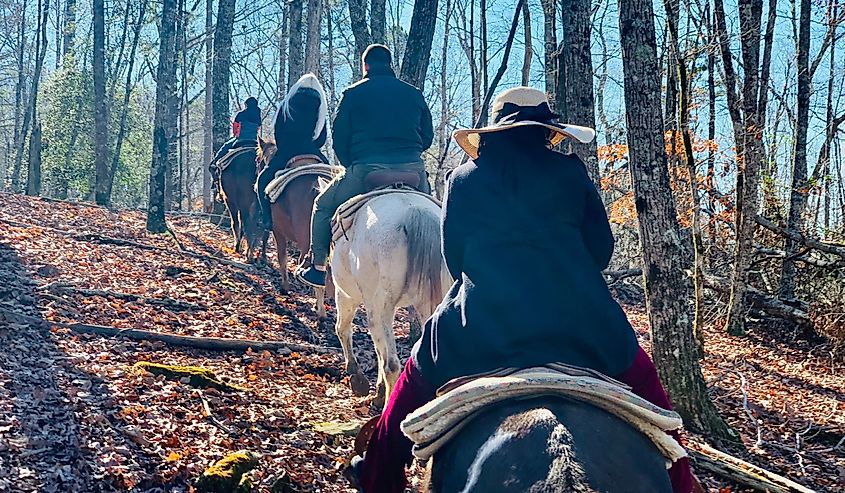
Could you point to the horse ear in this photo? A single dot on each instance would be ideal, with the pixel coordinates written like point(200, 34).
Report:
point(260, 141)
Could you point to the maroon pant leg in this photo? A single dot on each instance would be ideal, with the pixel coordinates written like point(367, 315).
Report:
point(389, 450)
point(643, 379)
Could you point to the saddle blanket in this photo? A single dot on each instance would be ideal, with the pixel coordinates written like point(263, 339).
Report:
point(344, 219)
point(435, 423)
point(230, 156)
point(277, 186)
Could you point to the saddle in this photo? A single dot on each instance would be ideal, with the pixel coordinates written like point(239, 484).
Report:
point(297, 166)
point(396, 182)
point(461, 400)
point(230, 156)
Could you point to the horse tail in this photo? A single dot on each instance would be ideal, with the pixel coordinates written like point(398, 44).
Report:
point(425, 261)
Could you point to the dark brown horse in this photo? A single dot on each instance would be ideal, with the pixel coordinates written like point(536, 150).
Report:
point(548, 444)
point(291, 214)
point(236, 183)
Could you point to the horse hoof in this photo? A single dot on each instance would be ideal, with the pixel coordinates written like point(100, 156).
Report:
point(378, 402)
point(359, 384)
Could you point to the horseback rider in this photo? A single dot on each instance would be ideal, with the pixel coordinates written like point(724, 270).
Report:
point(381, 123)
point(245, 128)
point(299, 129)
point(518, 205)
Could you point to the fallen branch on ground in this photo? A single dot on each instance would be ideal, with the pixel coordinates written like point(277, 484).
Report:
point(797, 314)
point(800, 238)
point(165, 302)
point(618, 275)
point(806, 258)
point(98, 238)
point(740, 471)
point(206, 343)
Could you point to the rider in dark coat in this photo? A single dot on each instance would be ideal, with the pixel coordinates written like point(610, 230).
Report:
point(525, 236)
point(381, 123)
point(244, 133)
point(299, 129)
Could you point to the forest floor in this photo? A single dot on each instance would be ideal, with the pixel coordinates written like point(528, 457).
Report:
point(76, 416)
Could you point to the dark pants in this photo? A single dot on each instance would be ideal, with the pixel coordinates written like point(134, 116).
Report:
point(389, 450)
point(264, 179)
point(341, 189)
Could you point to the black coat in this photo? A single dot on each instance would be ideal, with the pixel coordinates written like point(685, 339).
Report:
point(381, 120)
point(294, 134)
point(527, 260)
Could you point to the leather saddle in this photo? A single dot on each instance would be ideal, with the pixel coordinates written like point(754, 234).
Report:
point(303, 160)
point(389, 178)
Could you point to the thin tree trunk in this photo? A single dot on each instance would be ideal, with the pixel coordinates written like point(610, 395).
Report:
point(20, 110)
point(295, 61)
point(101, 116)
point(208, 121)
point(358, 23)
point(799, 188)
point(184, 196)
point(221, 71)
point(378, 21)
point(33, 177)
point(483, 56)
point(683, 117)
point(420, 38)
point(577, 87)
point(164, 128)
point(58, 36)
point(475, 80)
point(670, 122)
point(667, 293)
point(69, 28)
point(443, 139)
point(312, 38)
point(550, 48)
point(127, 93)
point(711, 116)
point(529, 49)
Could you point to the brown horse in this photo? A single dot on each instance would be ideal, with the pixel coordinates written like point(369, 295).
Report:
point(236, 184)
point(291, 214)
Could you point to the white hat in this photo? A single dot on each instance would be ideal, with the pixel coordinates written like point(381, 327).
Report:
point(521, 107)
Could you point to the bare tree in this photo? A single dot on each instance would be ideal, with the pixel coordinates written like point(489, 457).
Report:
point(667, 293)
point(101, 116)
point(69, 28)
point(550, 48)
point(31, 111)
point(418, 50)
point(378, 21)
point(576, 101)
point(799, 188)
point(221, 69)
point(312, 38)
point(164, 127)
point(529, 49)
point(295, 59)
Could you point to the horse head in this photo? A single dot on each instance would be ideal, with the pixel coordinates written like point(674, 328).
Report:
point(264, 153)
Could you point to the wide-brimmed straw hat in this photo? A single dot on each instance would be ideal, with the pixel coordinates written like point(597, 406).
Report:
point(521, 107)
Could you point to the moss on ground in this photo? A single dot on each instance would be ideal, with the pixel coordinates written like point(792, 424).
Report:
point(198, 376)
point(229, 474)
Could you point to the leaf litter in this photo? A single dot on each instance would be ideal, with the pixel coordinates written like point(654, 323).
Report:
point(74, 416)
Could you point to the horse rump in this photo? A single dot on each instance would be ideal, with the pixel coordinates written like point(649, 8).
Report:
point(426, 267)
point(550, 445)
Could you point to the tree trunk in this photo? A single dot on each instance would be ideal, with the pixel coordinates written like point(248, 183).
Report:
point(295, 60)
point(711, 116)
point(483, 57)
point(418, 49)
point(221, 71)
point(20, 110)
point(127, 92)
point(799, 188)
point(550, 48)
point(360, 31)
point(750, 159)
point(378, 21)
point(33, 177)
point(312, 38)
point(184, 191)
point(164, 128)
point(208, 120)
point(443, 138)
point(577, 87)
point(69, 29)
point(667, 290)
point(529, 49)
point(101, 117)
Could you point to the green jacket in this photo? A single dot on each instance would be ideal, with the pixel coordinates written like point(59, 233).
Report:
point(381, 120)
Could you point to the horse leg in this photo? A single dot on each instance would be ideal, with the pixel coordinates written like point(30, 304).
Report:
point(282, 255)
point(346, 308)
point(236, 229)
point(381, 317)
point(320, 302)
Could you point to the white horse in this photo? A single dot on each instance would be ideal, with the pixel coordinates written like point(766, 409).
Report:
point(389, 258)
